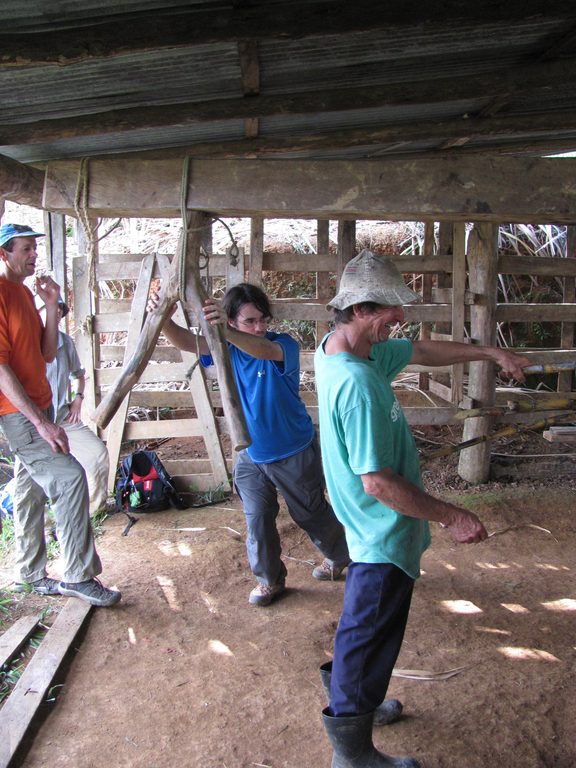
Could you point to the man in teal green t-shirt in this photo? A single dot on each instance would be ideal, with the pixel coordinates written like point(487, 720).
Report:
point(372, 474)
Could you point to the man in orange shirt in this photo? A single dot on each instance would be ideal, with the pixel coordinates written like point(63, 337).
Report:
point(44, 468)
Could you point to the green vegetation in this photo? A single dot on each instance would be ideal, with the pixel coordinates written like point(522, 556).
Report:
point(6, 538)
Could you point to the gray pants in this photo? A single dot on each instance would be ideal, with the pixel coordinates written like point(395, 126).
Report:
point(300, 480)
point(41, 474)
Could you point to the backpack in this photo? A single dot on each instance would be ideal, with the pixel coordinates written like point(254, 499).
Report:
point(144, 485)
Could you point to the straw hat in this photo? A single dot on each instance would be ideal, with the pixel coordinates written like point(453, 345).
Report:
point(368, 277)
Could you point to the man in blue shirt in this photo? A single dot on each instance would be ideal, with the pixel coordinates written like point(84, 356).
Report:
point(284, 455)
point(373, 478)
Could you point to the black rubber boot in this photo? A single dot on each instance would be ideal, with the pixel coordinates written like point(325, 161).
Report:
point(388, 712)
point(351, 739)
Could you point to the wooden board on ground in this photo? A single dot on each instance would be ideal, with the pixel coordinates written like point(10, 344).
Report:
point(30, 691)
point(560, 435)
point(15, 637)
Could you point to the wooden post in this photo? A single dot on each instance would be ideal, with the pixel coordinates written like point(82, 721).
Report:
point(194, 298)
point(55, 229)
point(256, 251)
point(84, 338)
point(474, 463)
point(235, 266)
point(566, 378)
point(458, 290)
point(323, 290)
point(346, 246)
point(445, 246)
point(426, 328)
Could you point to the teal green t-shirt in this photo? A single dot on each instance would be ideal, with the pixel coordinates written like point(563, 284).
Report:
point(363, 429)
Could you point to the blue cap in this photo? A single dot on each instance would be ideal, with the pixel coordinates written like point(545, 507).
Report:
point(8, 231)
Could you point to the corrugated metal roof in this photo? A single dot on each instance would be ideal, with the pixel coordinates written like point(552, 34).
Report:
point(92, 88)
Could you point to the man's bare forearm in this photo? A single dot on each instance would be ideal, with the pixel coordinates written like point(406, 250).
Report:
point(399, 494)
point(404, 497)
point(184, 339)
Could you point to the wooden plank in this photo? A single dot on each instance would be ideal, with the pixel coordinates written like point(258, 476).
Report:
point(15, 636)
point(125, 266)
point(166, 398)
point(30, 691)
point(153, 430)
point(545, 313)
point(285, 309)
point(445, 393)
point(199, 396)
point(115, 431)
point(288, 309)
point(463, 188)
point(105, 377)
point(553, 435)
point(162, 354)
point(536, 265)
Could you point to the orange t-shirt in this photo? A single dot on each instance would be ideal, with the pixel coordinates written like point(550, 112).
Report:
point(20, 344)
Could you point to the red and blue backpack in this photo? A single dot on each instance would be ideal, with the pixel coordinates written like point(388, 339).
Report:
point(144, 485)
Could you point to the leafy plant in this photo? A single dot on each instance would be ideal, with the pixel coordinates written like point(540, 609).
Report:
point(6, 537)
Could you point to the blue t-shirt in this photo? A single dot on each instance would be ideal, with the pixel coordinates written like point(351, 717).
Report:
point(276, 417)
point(363, 429)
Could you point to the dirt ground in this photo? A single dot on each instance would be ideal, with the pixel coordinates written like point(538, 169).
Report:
point(184, 672)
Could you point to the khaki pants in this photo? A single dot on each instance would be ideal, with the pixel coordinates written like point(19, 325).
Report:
point(92, 454)
point(41, 474)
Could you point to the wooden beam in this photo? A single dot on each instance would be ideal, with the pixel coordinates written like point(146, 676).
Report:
point(21, 183)
point(446, 188)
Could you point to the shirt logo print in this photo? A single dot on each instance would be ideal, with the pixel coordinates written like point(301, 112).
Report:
point(261, 373)
point(395, 411)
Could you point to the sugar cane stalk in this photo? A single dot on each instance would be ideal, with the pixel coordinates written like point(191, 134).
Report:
point(531, 406)
point(511, 429)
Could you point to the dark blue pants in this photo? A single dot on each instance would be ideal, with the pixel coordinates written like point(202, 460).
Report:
point(377, 600)
point(300, 480)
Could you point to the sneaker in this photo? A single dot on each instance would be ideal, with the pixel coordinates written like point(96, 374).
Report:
point(93, 591)
point(43, 586)
point(328, 570)
point(263, 594)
